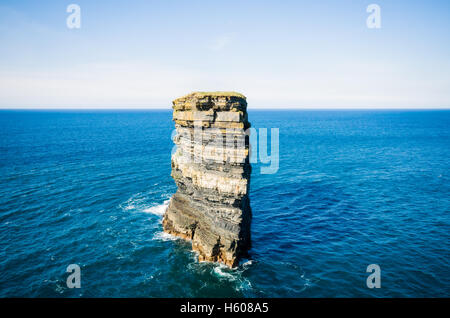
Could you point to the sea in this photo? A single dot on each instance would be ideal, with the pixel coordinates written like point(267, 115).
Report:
point(353, 188)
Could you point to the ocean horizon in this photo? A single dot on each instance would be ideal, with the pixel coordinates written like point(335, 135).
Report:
point(353, 188)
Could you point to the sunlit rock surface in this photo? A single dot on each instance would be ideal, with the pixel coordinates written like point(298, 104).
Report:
point(212, 171)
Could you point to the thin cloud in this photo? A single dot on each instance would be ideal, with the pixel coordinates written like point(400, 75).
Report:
point(221, 42)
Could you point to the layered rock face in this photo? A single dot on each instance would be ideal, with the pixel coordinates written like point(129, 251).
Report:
point(212, 171)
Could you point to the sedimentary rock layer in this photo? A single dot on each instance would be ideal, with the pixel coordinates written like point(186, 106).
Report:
point(212, 171)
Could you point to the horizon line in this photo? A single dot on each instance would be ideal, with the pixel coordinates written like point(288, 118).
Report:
point(257, 108)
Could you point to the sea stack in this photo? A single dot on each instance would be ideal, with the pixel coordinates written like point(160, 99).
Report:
point(211, 169)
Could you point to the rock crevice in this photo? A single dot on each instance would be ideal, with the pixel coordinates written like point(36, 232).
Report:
point(211, 169)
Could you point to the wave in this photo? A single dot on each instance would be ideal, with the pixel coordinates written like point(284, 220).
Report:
point(158, 209)
point(224, 272)
point(139, 203)
point(245, 262)
point(163, 236)
point(234, 276)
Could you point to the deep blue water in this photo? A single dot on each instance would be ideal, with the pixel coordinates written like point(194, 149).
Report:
point(354, 188)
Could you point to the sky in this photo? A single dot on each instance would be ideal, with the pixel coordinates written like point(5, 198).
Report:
point(280, 54)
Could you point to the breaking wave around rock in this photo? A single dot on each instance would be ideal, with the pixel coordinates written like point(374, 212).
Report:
point(139, 203)
point(163, 236)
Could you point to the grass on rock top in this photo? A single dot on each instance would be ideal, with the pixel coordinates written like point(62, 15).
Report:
point(213, 94)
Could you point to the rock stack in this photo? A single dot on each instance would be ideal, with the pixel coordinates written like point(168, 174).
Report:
point(211, 168)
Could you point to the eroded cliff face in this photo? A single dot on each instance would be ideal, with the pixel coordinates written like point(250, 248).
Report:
point(212, 171)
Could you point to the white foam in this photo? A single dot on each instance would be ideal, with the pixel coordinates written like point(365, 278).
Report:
point(244, 285)
point(233, 275)
point(245, 262)
point(157, 209)
point(219, 269)
point(138, 203)
point(163, 236)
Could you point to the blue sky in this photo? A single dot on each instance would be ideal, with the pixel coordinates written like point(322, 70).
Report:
point(280, 54)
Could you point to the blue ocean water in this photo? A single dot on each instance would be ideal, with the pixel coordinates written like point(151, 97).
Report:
point(353, 188)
